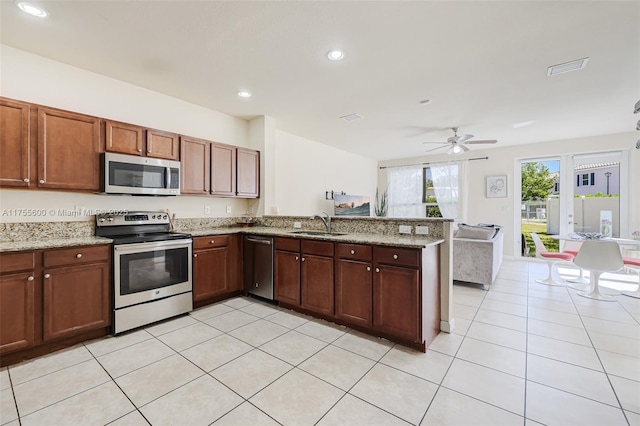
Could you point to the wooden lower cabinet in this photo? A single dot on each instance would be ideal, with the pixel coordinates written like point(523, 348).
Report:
point(316, 283)
point(286, 272)
point(354, 303)
point(396, 301)
point(17, 313)
point(75, 299)
point(210, 273)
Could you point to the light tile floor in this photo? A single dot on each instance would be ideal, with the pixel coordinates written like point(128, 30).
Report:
point(522, 354)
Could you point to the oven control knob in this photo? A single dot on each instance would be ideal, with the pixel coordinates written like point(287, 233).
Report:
point(165, 216)
point(110, 219)
point(154, 216)
point(101, 219)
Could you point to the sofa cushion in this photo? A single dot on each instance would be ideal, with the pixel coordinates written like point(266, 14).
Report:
point(476, 232)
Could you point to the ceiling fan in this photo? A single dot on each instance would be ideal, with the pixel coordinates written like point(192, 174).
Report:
point(457, 143)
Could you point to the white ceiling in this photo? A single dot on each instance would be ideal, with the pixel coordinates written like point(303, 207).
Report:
point(482, 63)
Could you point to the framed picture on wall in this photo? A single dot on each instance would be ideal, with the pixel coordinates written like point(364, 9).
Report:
point(496, 186)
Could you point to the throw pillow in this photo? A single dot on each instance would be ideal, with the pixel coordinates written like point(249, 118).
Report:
point(475, 232)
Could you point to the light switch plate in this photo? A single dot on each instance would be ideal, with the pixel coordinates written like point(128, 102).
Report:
point(297, 225)
point(405, 229)
point(422, 230)
point(228, 209)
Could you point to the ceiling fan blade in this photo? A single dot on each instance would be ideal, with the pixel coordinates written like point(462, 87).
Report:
point(433, 149)
point(441, 143)
point(463, 138)
point(481, 141)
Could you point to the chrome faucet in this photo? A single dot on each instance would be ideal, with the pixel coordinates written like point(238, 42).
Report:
point(326, 220)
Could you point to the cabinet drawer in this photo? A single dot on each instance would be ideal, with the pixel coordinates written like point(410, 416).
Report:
point(211, 241)
point(320, 248)
point(353, 251)
point(76, 255)
point(287, 244)
point(12, 262)
point(397, 256)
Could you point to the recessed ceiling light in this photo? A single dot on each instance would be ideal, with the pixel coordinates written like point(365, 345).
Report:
point(32, 9)
point(335, 55)
point(425, 101)
point(244, 94)
point(522, 124)
point(578, 64)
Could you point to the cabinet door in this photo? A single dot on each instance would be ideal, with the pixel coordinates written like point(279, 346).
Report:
point(69, 147)
point(124, 138)
point(287, 277)
point(17, 325)
point(354, 300)
point(15, 143)
point(248, 173)
point(396, 301)
point(223, 170)
point(163, 145)
point(195, 166)
point(210, 273)
point(317, 283)
point(76, 299)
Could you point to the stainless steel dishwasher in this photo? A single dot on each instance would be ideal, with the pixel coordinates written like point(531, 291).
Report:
point(258, 265)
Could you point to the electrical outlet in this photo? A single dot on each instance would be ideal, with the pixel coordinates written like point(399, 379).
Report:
point(405, 229)
point(422, 230)
point(207, 209)
point(228, 209)
point(297, 225)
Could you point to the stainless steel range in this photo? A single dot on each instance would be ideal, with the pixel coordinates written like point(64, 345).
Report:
point(151, 268)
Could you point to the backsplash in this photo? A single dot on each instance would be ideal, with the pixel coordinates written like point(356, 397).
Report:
point(361, 225)
point(24, 231)
point(198, 223)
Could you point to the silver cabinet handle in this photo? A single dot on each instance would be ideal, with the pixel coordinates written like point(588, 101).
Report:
point(377, 269)
point(149, 152)
point(368, 268)
point(213, 241)
point(79, 255)
point(30, 278)
point(139, 149)
point(303, 259)
point(47, 276)
point(353, 252)
point(195, 255)
point(297, 258)
point(395, 256)
point(41, 181)
point(27, 180)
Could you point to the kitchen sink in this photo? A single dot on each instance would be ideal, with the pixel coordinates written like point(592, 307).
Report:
point(332, 234)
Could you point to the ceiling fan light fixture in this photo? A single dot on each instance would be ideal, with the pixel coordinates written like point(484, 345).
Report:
point(456, 149)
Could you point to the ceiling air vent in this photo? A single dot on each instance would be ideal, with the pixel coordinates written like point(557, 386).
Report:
point(578, 64)
point(352, 117)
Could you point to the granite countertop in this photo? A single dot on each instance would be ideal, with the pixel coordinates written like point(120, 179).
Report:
point(9, 246)
point(409, 241)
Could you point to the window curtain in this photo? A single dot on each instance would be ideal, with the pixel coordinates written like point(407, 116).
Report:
point(449, 179)
point(405, 191)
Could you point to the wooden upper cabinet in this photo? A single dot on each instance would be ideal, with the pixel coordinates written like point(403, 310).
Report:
point(69, 147)
point(195, 166)
point(248, 173)
point(223, 169)
point(163, 145)
point(15, 143)
point(124, 138)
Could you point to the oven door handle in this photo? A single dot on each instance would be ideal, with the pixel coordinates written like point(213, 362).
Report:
point(134, 248)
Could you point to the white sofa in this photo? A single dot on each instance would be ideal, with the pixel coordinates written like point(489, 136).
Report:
point(477, 261)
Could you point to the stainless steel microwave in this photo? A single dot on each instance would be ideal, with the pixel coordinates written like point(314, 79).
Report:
point(129, 174)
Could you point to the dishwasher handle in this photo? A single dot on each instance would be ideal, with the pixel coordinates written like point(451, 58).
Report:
point(254, 240)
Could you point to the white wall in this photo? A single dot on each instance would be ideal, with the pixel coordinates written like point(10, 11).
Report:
point(306, 169)
point(502, 161)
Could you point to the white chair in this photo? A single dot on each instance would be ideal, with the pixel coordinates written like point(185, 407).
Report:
point(599, 257)
point(632, 264)
point(579, 283)
point(552, 258)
